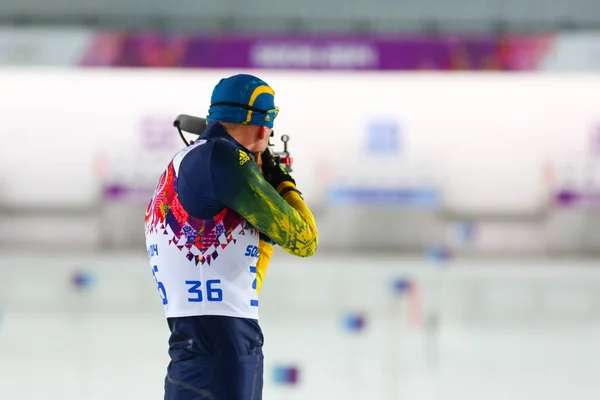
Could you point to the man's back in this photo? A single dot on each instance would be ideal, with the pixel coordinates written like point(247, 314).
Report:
point(200, 246)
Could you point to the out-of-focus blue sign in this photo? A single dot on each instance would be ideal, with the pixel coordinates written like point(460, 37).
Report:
point(383, 137)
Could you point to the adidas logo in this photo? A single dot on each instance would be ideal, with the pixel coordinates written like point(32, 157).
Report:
point(244, 158)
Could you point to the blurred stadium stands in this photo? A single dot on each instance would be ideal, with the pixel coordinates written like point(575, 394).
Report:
point(356, 16)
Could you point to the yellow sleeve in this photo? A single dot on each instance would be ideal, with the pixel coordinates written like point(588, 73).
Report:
point(297, 203)
point(265, 252)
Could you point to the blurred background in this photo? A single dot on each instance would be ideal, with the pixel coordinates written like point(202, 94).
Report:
point(449, 149)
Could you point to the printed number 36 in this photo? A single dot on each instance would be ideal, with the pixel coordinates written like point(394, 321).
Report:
point(212, 293)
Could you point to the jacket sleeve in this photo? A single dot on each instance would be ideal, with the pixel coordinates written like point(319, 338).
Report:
point(238, 183)
point(265, 252)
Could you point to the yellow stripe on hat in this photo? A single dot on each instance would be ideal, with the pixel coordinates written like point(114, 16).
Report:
point(257, 92)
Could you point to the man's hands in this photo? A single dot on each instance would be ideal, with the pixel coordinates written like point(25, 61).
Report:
point(274, 174)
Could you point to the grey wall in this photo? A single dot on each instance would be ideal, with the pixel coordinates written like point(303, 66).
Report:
point(310, 15)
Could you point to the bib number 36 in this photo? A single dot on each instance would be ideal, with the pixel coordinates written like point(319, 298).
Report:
point(212, 291)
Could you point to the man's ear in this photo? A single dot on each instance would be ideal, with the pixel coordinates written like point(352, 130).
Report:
point(262, 132)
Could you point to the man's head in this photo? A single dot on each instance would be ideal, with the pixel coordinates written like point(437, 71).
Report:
point(253, 137)
point(245, 106)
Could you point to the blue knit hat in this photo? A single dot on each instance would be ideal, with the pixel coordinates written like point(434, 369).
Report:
point(244, 99)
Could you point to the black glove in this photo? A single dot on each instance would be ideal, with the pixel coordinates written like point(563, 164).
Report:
point(274, 173)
